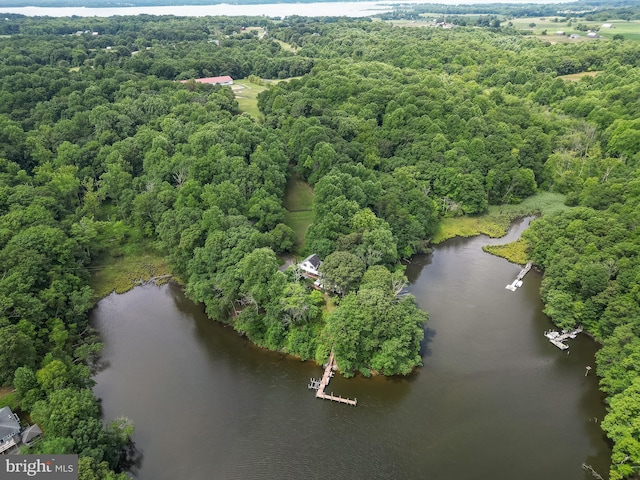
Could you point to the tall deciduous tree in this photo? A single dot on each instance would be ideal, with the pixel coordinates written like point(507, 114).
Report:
point(341, 271)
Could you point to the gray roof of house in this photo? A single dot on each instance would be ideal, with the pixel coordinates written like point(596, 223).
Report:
point(30, 433)
point(8, 424)
point(313, 260)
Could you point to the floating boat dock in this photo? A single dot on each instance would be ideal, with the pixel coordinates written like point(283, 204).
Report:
point(320, 385)
point(518, 281)
point(558, 338)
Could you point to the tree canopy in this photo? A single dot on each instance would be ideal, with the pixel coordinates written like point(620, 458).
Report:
point(102, 147)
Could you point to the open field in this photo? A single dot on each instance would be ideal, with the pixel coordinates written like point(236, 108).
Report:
point(299, 222)
point(298, 201)
point(8, 398)
point(287, 47)
point(497, 220)
point(576, 77)
point(629, 29)
point(246, 94)
point(543, 24)
point(299, 194)
point(411, 23)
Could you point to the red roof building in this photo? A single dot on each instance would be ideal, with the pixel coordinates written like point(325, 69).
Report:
point(224, 80)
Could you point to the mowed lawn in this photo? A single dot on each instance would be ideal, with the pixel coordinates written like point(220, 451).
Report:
point(287, 47)
point(247, 96)
point(576, 77)
point(298, 202)
point(629, 29)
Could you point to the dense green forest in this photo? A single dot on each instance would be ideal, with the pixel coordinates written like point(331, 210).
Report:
point(102, 149)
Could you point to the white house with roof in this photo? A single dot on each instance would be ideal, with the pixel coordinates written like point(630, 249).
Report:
point(11, 433)
point(9, 429)
point(310, 265)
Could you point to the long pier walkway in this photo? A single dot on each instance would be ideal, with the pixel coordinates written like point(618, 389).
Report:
point(518, 281)
point(320, 385)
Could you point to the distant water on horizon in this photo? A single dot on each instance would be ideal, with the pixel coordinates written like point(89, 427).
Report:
point(315, 9)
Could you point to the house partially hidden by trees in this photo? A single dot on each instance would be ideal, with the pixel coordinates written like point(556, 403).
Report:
point(11, 433)
point(310, 265)
point(9, 429)
point(224, 80)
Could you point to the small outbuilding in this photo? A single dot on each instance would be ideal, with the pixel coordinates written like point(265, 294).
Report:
point(31, 433)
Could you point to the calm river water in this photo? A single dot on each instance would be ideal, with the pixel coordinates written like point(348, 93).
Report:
point(316, 9)
point(494, 400)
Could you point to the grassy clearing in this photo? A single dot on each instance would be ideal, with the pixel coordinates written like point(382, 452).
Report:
point(576, 77)
point(629, 29)
point(543, 24)
point(273, 81)
point(287, 47)
point(329, 306)
point(299, 194)
point(497, 220)
point(122, 269)
point(515, 252)
point(410, 23)
point(299, 222)
point(467, 227)
point(298, 201)
point(246, 94)
point(8, 398)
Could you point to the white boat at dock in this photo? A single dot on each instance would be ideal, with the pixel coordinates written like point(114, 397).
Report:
point(558, 338)
point(517, 283)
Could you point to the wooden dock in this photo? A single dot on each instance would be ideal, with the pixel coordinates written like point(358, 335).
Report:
point(320, 385)
point(558, 339)
point(518, 281)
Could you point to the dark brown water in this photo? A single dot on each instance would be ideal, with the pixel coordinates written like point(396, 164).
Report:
point(494, 400)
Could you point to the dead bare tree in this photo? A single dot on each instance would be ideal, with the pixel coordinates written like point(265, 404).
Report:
point(180, 177)
point(592, 471)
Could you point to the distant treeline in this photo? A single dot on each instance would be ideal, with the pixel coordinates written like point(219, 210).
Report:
point(143, 3)
point(590, 10)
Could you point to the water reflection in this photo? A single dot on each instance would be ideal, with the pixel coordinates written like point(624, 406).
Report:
point(493, 400)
